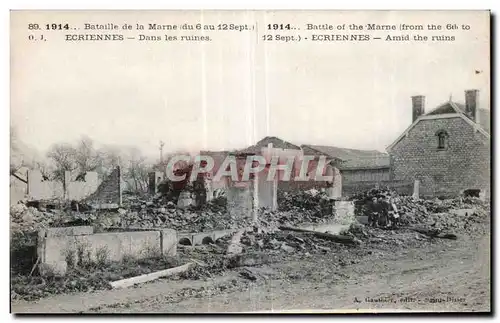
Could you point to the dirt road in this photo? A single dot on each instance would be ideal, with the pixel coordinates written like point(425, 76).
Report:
point(444, 275)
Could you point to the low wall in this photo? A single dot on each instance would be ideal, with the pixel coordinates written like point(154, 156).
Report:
point(57, 244)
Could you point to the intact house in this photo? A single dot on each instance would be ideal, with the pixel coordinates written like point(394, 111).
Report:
point(446, 149)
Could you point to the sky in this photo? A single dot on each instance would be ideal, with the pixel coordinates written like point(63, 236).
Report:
point(236, 89)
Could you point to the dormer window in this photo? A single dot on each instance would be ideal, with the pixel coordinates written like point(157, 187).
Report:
point(442, 138)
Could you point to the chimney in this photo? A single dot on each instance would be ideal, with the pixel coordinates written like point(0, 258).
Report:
point(418, 105)
point(471, 103)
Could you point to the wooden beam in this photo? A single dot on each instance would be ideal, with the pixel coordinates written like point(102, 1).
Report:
point(149, 277)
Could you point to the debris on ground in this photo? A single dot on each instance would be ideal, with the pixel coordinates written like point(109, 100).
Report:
point(310, 205)
point(154, 212)
point(273, 238)
point(87, 277)
point(437, 213)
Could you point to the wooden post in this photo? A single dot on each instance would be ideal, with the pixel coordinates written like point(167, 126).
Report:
point(67, 179)
point(416, 189)
point(255, 197)
point(119, 185)
point(275, 194)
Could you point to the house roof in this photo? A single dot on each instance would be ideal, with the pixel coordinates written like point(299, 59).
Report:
point(452, 109)
point(447, 107)
point(354, 158)
point(218, 157)
point(482, 115)
point(263, 143)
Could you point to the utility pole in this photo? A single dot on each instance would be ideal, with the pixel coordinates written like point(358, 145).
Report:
point(161, 151)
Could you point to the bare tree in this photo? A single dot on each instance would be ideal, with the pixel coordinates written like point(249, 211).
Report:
point(63, 157)
point(110, 158)
point(17, 158)
point(87, 157)
point(45, 169)
point(137, 171)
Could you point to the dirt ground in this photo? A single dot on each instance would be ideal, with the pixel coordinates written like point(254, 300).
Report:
point(437, 275)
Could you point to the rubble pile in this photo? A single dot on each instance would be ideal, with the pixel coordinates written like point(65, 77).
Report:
point(30, 219)
point(179, 219)
point(286, 242)
point(273, 219)
point(386, 239)
point(312, 203)
point(154, 212)
point(210, 260)
point(27, 219)
point(362, 200)
point(461, 222)
point(455, 215)
point(303, 207)
point(144, 211)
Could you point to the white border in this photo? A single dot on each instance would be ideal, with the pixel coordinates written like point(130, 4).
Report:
point(186, 4)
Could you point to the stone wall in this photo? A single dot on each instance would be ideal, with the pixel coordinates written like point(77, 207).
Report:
point(57, 244)
point(464, 164)
point(267, 192)
point(39, 189)
point(78, 190)
point(155, 178)
point(365, 175)
point(18, 190)
point(109, 192)
point(240, 202)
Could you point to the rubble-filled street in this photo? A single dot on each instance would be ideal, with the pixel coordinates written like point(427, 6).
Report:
point(437, 258)
point(250, 161)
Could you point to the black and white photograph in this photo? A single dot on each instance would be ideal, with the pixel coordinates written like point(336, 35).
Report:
point(250, 161)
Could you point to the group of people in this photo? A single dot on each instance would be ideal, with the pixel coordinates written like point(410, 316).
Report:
point(383, 212)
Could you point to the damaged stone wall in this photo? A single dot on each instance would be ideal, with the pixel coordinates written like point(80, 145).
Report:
point(39, 189)
point(240, 202)
point(267, 191)
point(155, 178)
point(241, 194)
point(78, 190)
point(109, 192)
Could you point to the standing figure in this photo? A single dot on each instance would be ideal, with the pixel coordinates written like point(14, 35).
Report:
point(374, 214)
point(384, 208)
point(393, 213)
